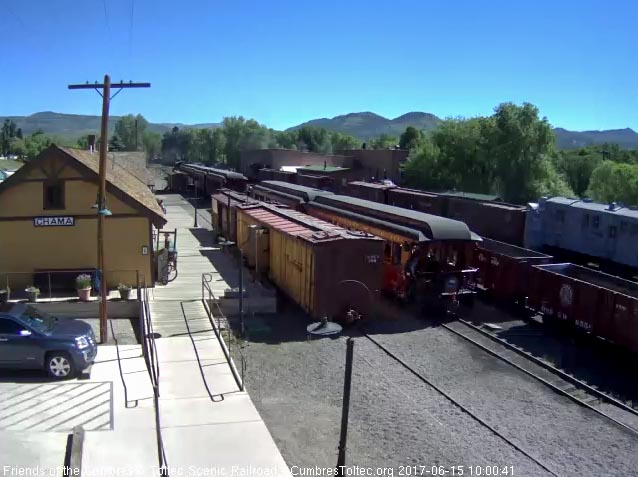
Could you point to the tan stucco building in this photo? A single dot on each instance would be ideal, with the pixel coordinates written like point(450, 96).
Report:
point(47, 221)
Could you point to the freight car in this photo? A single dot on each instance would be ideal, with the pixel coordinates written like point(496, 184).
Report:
point(483, 214)
point(224, 214)
point(504, 269)
point(426, 257)
point(374, 191)
point(209, 180)
point(316, 182)
point(292, 195)
point(605, 234)
point(594, 302)
point(318, 265)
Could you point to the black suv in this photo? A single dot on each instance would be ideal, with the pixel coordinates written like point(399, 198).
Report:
point(31, 339)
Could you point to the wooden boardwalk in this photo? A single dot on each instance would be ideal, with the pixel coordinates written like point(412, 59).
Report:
point(180, 300)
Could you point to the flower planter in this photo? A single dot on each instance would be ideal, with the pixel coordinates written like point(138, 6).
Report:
point(32, 296)
point(84, 294)
point(125, 293)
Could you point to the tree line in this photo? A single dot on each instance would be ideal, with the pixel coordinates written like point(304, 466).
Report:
point(511, 153)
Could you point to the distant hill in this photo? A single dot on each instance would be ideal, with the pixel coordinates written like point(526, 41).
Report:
point(369, 125)
point(76, 125)
point(626, 138)
point(364, 126)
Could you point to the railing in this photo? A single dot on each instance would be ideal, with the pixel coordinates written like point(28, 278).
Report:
point(210, 304)
point(60, 283)
point(119, 365)
point(149, 350)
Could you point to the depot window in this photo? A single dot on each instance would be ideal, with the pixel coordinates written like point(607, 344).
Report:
point(596, 221)
point(53, 195)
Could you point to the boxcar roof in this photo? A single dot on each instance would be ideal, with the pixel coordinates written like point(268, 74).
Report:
point(403, 190)
point(433, 227)
point(304, 192)
point(595, 206)
point(298, 224)
point(213, 170)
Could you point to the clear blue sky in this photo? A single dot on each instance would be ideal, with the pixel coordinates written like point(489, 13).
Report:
point(283, 62)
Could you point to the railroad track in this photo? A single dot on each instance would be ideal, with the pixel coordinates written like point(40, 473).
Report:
point(554, 378)
point(457, 403)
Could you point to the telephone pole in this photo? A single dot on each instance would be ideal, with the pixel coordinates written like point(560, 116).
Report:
point(101, 198)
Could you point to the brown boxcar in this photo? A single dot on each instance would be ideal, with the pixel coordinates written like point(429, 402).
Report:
point(426, 202)
point(316, 182)
point(224, 213)
point(600, 304)
point(284, 176)
point(180, 182)
point(504, 269)
point(374, 191)
point(496, 220)
point(265, 175)
point(318, 265)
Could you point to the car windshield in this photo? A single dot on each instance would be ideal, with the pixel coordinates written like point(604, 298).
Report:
point(38, 320)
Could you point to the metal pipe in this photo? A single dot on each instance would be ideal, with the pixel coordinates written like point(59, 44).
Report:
point(341, 459)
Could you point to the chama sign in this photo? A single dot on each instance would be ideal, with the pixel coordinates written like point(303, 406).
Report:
point(54, 221)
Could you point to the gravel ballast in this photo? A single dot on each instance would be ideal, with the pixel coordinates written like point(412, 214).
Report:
point(396, 420)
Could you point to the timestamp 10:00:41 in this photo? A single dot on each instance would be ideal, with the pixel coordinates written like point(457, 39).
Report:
point(456, 470)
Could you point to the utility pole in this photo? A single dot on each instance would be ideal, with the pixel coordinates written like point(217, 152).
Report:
point(345, 409)
point(101, 198)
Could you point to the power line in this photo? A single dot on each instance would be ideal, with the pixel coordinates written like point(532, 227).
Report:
point(15, 15)
point(130, 30)
point(106, 18)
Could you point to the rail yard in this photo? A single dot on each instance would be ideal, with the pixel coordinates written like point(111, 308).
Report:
point(469, 356)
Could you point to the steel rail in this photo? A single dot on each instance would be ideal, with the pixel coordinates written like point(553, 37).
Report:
point(458, 404)
point(549, 384)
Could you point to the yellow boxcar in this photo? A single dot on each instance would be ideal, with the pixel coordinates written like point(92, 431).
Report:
point(325, 269)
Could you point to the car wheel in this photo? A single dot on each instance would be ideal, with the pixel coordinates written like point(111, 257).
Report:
point(59, 365)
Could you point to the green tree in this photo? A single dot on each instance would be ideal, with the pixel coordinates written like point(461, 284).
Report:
point(287, 139)
point(614, 182)
point(343, 142)
point(7, 133)
point(520, 142)
point(384, 141)
point(130, 130)
point(410, 138)
point(152, 143)
point(577, 168)
point(315, 139)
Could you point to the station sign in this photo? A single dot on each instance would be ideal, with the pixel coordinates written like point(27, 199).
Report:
point(61, 221)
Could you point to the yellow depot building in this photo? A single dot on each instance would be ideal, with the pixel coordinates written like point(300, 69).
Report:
point(48, 222)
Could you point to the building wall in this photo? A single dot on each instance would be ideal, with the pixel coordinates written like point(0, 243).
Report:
point(25, 247)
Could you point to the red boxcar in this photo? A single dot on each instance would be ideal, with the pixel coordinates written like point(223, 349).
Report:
point(374, 191)
point(504, 269)
point(496, 220)
point(427, 202)
point(600, 304)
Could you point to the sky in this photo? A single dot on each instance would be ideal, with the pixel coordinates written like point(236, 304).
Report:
point(283, 62)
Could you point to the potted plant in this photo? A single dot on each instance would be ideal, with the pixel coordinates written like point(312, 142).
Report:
point(5, 295)
point(83, 286)
point(125, 291)
point(32, 293)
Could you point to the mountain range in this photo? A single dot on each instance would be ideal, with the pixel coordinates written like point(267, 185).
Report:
point(363, 125)
point(75, 125)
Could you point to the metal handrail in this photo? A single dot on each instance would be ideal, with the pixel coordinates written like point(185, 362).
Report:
point(149, 350)
point(239, 376)
point(119, 364)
